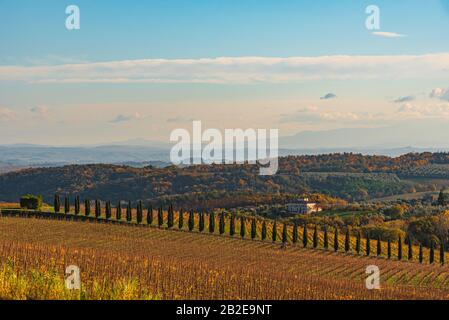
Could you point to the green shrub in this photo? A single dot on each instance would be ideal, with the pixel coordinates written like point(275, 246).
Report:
point(31, 202)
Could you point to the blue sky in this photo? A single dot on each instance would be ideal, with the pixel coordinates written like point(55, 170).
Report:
point(119, 103)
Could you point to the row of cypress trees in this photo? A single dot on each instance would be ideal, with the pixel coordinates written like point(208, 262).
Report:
point(253, 228)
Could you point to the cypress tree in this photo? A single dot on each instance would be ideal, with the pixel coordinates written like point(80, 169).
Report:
point(421, 256)
point(221, 223)
point(399, 248)
point(129, 212)
point(274, 233)
point(264, 230)
point(295, 233)
point(284, 234)
point(191, 220)
point(160, 217)
point(232, 225)
point(325, 239)
point(66, 205)
point(432, 253)
point(181, 219)
point(242, 227)
point(212, 222)
point(139, 214)
point(108, 210)
point(410, 248)
point(389, 248)
point(150, 214)
point(379, 246)
point(118, 211)
point(77, 205)
point(305, 236)
point(336, 244)
point(358, 242)
point(253, 229)
point(368, 244)
point(201, 221)
point(347, 241)
point(170, 216)
point(97, 208)
point(87, 207)
point(442, 253)
point(57, 203)
point(315, 237)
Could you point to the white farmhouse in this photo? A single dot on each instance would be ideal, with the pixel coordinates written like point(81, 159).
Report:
point(302, 206)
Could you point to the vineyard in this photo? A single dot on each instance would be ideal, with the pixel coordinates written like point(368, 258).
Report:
point(139, 263)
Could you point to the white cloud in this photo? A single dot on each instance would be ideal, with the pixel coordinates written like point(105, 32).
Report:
point(440, 93)
point(7, 114)
point(236, 70)
point(314, 115)
point(440, 111)
point(388, 34)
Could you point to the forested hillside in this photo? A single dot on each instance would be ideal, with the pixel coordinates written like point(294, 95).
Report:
point(349, 176)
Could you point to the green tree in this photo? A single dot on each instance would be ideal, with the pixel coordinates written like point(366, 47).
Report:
point(57, 203)
point(295, 233)
point(118, 211)
point(160, 217)
point(264, 230)
point(347, 240)
point(87, 207)
point(315, 237)
point(77, 205)
point(232, 225)
point(368, 244)
point(442, 201)
point(253, 229)
point(242, 227)
point(66, 204)
point(336, 244)
point(181, 219)
point(389, 248)
point(399, 248)
point(170, 216)
point(432, 253)
point(129, 216)
point(421, 256)
point(442, 253)
point(274, 233)
point(325, 239)
point(305, 236)
point(379, 247)
point(221, 223)
point(358, 242)
point(108, 210)
point(139, 212)
point(150, 214)
point(97, 209)
point(191, 220)
point(410, 248)
point(201, 221)
point(284, 234)
point(212, 222)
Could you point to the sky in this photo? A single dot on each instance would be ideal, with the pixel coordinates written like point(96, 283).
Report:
point(140, 69)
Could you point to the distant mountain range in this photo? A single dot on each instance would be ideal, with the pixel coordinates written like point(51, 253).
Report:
point(390, 141)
